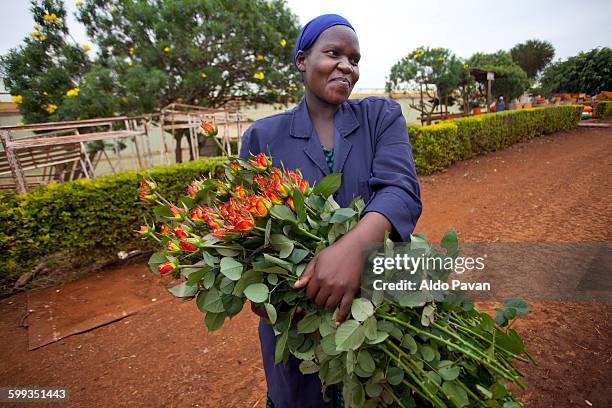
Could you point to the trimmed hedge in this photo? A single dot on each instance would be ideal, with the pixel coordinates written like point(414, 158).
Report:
point(93, 219)
point(436, 147)
point(603, 110)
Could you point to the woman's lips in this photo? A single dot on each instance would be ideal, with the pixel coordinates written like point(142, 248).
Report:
point(342, 81)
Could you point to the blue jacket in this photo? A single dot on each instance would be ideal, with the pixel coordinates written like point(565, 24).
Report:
point(372, 151)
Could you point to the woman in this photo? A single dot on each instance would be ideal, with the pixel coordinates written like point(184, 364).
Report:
point(367, 141)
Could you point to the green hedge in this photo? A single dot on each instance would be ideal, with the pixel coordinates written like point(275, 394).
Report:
point(89, 219)
point(603, 110)
point(436, 147)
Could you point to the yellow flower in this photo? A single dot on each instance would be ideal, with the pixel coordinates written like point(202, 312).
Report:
point(86, 47)
point(45, 93)
point(130, 63)
point(72, 92)
point(19, 123)
point(35, 34)
point(259, 75)
point(50, 17)
point(283, 42)
point(42, 37)
point(292, 87)
point(78, 3)
point(167, 49)
point(269, 6)
point(17, 99)
point(37, 27)
point(440, 58)
point(203, 75)
point(51, 108)
point(132, 50)
point(259, 57)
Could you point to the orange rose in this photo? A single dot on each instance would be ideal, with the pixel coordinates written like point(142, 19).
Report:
point(166, 267)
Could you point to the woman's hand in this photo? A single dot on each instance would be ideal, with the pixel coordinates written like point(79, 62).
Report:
point(333, 276)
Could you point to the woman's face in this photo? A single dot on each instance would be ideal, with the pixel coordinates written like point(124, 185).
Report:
point(330, 66)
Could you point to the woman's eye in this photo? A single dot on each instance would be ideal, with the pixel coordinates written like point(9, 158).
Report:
point(332, 52)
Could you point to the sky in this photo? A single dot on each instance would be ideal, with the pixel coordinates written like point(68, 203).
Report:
point(390, 29)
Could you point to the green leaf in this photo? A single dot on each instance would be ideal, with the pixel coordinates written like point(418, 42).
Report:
point(395, 375)
point(298, 204)
point(271, 311)
point(156, 259)
point(370, 326)
point(226, 286)
point(282, 244)
point(450, 242)
point(231, 268)
point(227, 252)
point(512, 404)
point(208, 280)
point(409, 343)
point(163, 211)
point(214, 321)
point(309, 324)
point(350, 361)
point(327, 325)
point(280, 349)
point(210, 301)
point(328, 185)
point(249, 277)
point(308, 367)
point(413, 299)
point(361, 309)
point(519, 305)
point(373, 389)
point(288, 266)
point(365, 361)
point(447, 371)
point(273, 278)
point(283, 213)
point(196, 267)
point(267, 233)
point(298, 255)
point(427, 353)
point(196, 276)
point(342, 215)
point(455, 393)
point(328, 345)
point(349, 336)
point(256, 292)
point(488, 394)
point(210, 260)
point(183, 290)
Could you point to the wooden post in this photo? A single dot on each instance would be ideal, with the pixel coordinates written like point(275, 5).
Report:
point(163, 136)
point(13, 160)
point(148, 143)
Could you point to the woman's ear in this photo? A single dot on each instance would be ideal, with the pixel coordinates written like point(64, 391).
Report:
point(300, 61)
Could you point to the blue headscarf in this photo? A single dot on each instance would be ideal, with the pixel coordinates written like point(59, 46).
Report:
point(314, 28)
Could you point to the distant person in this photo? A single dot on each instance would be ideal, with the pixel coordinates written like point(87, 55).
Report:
point(500, 106)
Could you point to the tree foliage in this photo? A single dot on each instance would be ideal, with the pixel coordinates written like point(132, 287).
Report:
point(532, 56)
point(589, 72)
point(202, 52)
point(510, 79)
point(430, 70)
point(42, 71)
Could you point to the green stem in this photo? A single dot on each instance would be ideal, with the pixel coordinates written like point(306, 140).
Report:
point(501, 371)
point(395, 397)
point(309, 234)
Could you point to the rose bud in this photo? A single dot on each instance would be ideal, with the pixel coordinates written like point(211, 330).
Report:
point(304, 187)
point(244, 225)
point(272, 196)
point(164, 230)
point(209, 129)
point(235, 167)
point(178, 214)
point(145, 230)
point(239, 191)
point(146, 198)
point(179, 231)
point(166, 267)
point(171, 246)
point(186, 246)
point(290, 204)
point(260, 162)
point(197, 214)
point(260, 206)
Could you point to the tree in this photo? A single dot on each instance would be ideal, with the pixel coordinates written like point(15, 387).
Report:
point(510, 79)
point(428, 70)
point(589, 72)
point(532, 56)
point(46, 69)
point(201, 52)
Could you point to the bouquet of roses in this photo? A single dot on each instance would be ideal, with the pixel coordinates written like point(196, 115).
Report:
point(250, 234)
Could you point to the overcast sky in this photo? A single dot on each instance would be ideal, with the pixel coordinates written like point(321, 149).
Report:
point(388, 29)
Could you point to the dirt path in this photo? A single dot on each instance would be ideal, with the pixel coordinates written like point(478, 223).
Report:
point(554, 189)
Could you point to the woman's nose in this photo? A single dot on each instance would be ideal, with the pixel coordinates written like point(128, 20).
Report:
point(345, 66)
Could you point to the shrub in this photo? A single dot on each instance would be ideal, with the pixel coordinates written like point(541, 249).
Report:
point(84, 218)
point(437, 146)
point(603, 110)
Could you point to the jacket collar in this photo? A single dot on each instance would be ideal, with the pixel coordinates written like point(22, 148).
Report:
point(301, 125)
